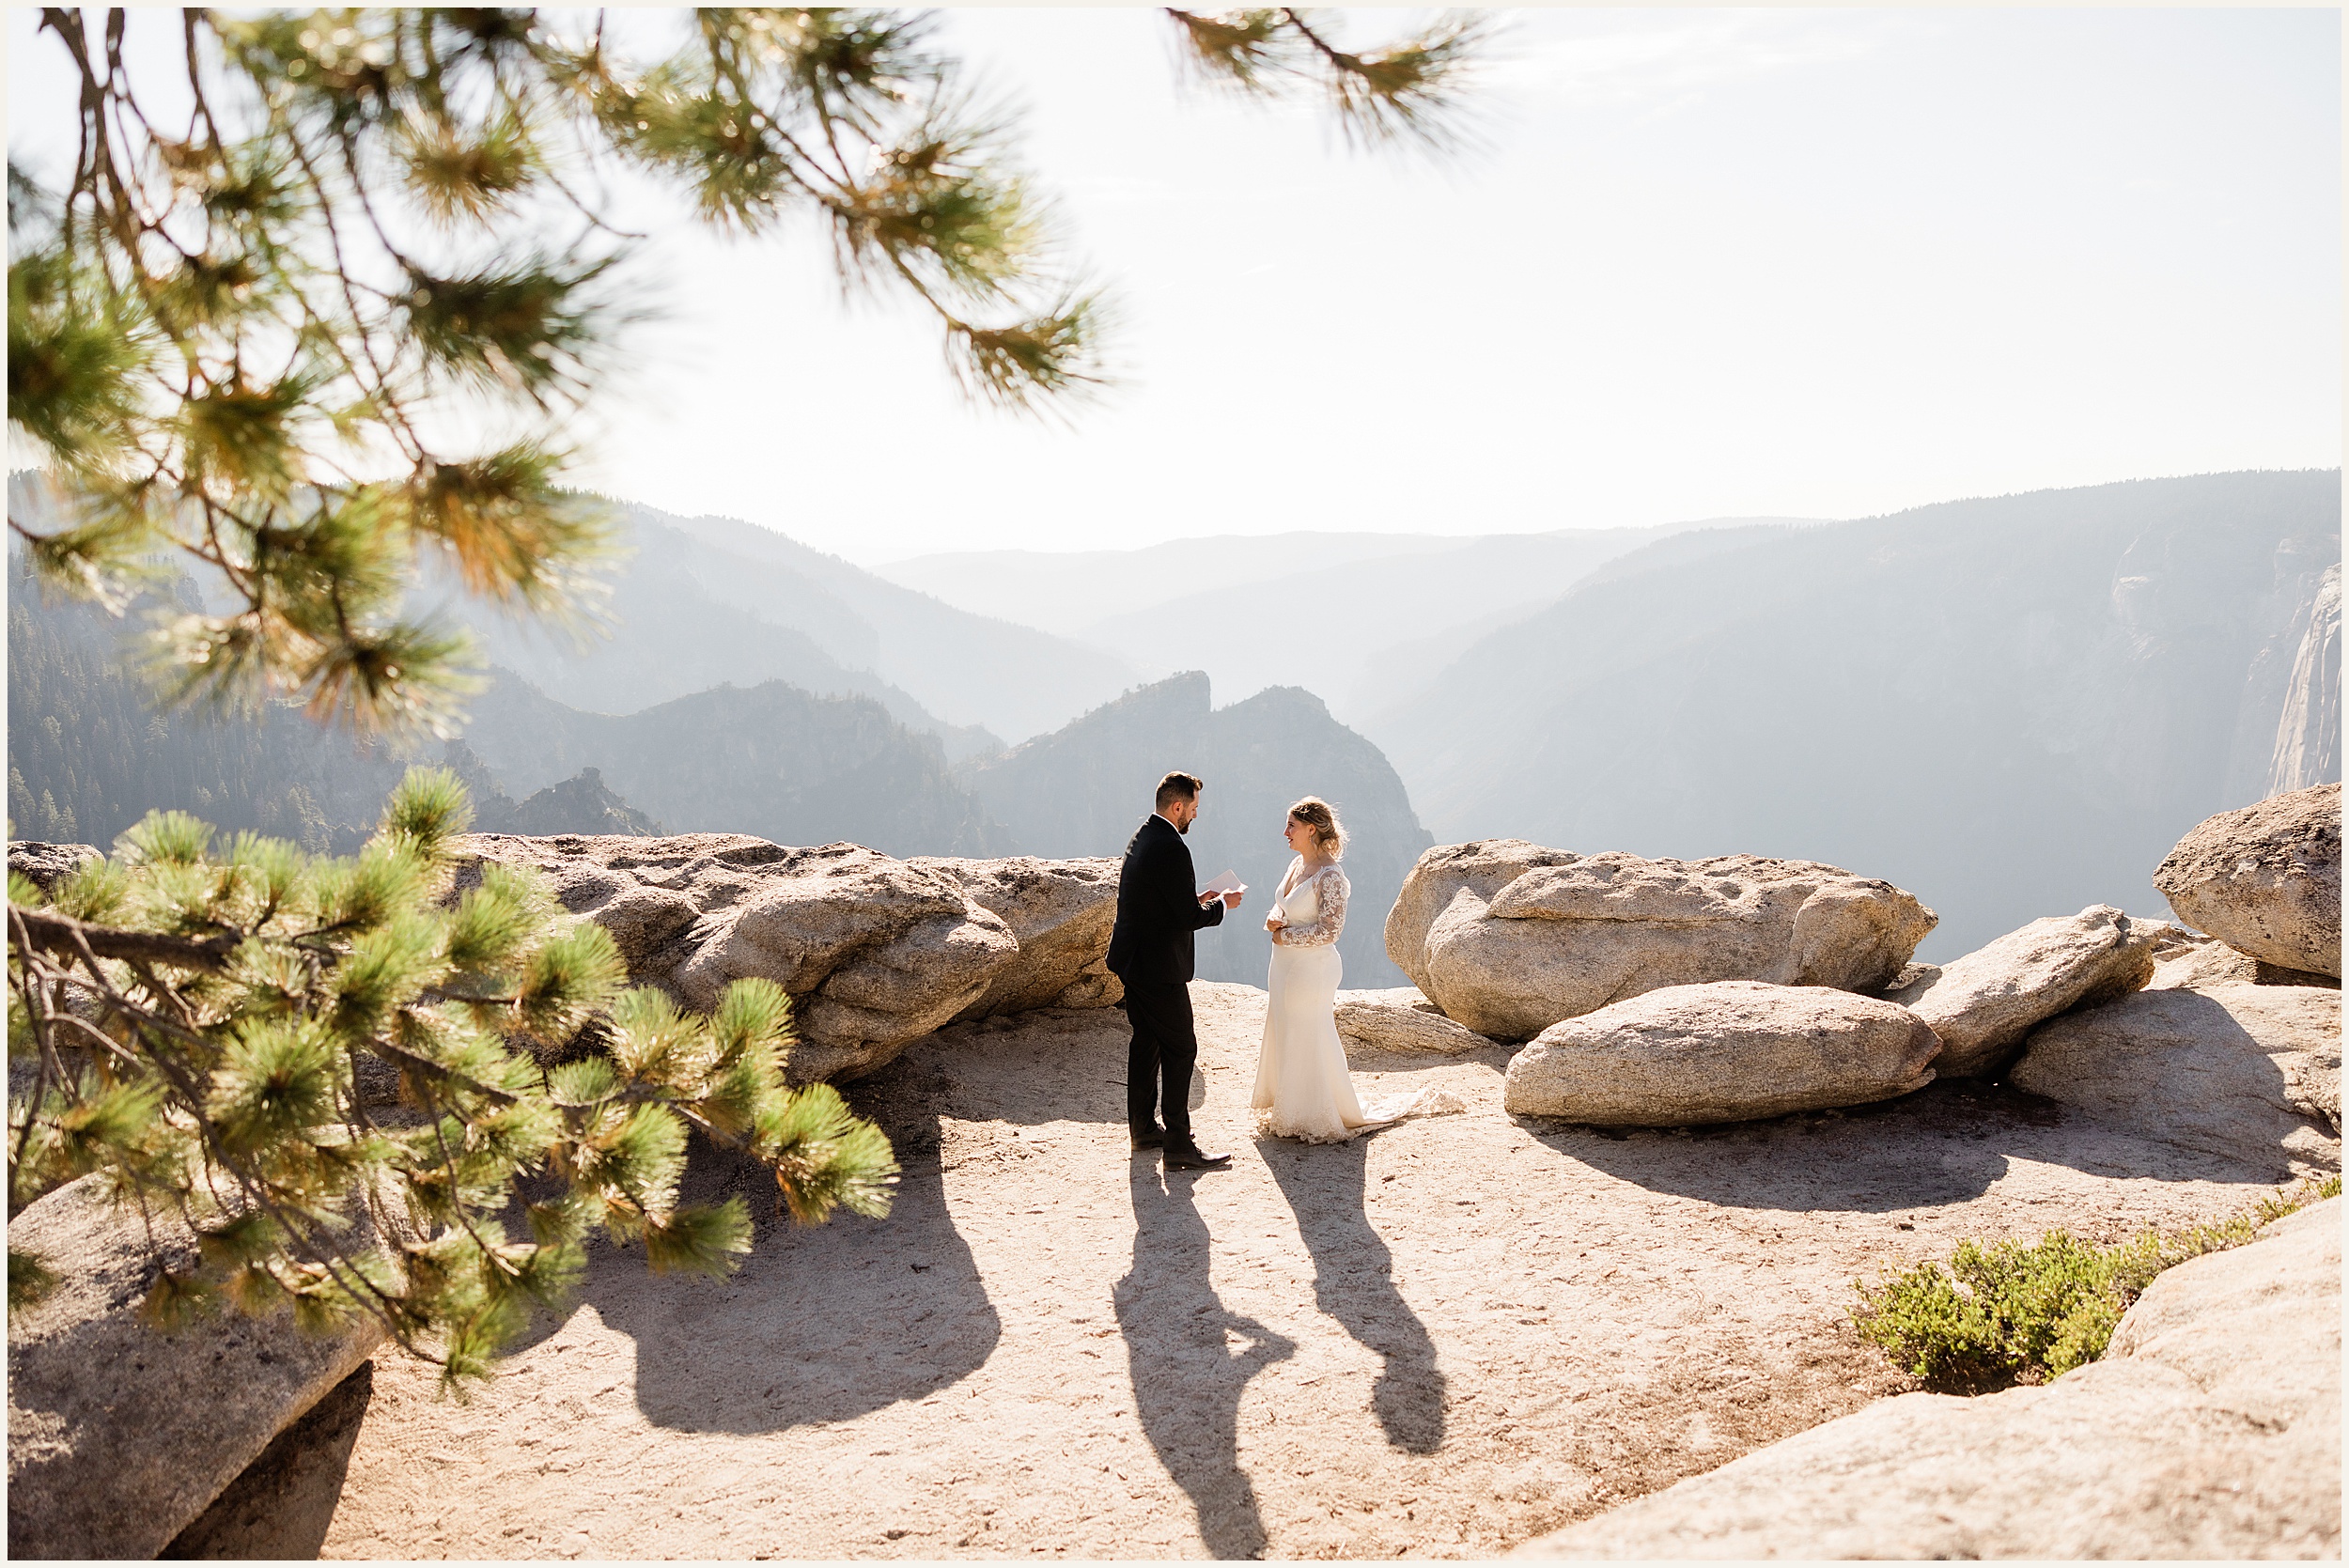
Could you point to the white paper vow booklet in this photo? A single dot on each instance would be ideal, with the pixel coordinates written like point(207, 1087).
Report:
point(1228, 882)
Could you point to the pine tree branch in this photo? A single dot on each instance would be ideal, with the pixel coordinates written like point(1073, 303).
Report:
point(49, 931)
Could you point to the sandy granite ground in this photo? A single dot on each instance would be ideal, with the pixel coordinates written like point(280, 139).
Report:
point(1437, 1341)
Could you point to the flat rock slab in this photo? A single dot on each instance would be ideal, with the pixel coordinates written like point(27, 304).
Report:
point(1729, 1051)
point(2212, 1429)
point(1509, 937)
point(119, 1435)
point(1437, 1341)
point(1982, 1004)
point(1399, 1019)
point(2265, 880)
point(2184, 957)
point(2252, 1072)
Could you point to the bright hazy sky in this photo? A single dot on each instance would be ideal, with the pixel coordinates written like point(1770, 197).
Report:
point(1819, 263)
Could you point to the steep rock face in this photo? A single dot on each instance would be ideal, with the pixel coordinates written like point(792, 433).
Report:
point(1982, 1004)
point(1082, 791)
point(1509, 937)
point(2245, 1071)
point(120, 1435)
point(2307, 735)
point(1732, 1051)
point(876, 951)
point(1059, 912)
point(2265, 880)
point(2211, 1429)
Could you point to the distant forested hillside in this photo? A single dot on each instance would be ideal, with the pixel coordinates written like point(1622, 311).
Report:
point(1085, 789)
point(769, 760)
point(2011, 707)
point(88, 755)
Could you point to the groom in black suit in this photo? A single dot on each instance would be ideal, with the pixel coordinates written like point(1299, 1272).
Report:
point(1159, 907)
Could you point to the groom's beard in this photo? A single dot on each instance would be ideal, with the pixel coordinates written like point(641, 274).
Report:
point(1184, 829)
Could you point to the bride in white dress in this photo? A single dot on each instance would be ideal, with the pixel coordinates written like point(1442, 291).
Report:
point(1303, 1088)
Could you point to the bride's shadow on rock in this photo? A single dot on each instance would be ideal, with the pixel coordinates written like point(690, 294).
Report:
point(1354, 1283)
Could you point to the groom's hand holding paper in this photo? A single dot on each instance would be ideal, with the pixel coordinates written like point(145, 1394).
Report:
point(1227, 887)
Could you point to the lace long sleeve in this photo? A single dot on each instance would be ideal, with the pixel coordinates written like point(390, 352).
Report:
point(1330, 894)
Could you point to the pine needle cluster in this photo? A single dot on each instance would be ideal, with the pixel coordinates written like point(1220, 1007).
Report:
point(1408, 90)
point(339, 311)
point(192, 1018)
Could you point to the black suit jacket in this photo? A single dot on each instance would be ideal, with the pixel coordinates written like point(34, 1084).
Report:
point(1157, 908)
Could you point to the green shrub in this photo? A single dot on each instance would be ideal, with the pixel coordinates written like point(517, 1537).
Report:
point(2016, 1313)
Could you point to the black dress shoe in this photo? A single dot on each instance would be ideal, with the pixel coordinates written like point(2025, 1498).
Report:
point(1192, 1160)
point(1153, 1139)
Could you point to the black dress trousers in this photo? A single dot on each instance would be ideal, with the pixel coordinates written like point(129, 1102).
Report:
point(1159, 1064)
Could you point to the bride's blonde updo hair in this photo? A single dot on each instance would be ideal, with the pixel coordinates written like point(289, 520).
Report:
point(1315, 812)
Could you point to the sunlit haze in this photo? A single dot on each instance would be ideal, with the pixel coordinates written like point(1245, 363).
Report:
point(1704, 263)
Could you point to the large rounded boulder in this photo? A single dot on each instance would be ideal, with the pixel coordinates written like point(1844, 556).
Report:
point(2265, 880)
point(1509, 937)
point(876, 951)
point(1059, 912)
point(1729, 1051)
point(120, 1435)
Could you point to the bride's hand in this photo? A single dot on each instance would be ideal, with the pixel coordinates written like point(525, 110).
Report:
point(1273, 923)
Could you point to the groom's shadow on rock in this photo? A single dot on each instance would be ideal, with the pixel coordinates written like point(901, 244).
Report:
point(821, 1323)
point(1191, 1360)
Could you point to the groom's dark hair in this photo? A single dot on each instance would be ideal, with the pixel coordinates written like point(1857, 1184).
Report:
point(1179, 786)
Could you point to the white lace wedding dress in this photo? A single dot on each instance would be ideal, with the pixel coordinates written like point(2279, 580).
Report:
point(1303, 1088)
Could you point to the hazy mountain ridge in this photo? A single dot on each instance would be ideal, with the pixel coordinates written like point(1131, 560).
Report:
point(969, 669)
point(1063, 591)
point(685, 617)
point(1325, 611)
point(2011, 707)
point(1400, 674)
point(1084, 790)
